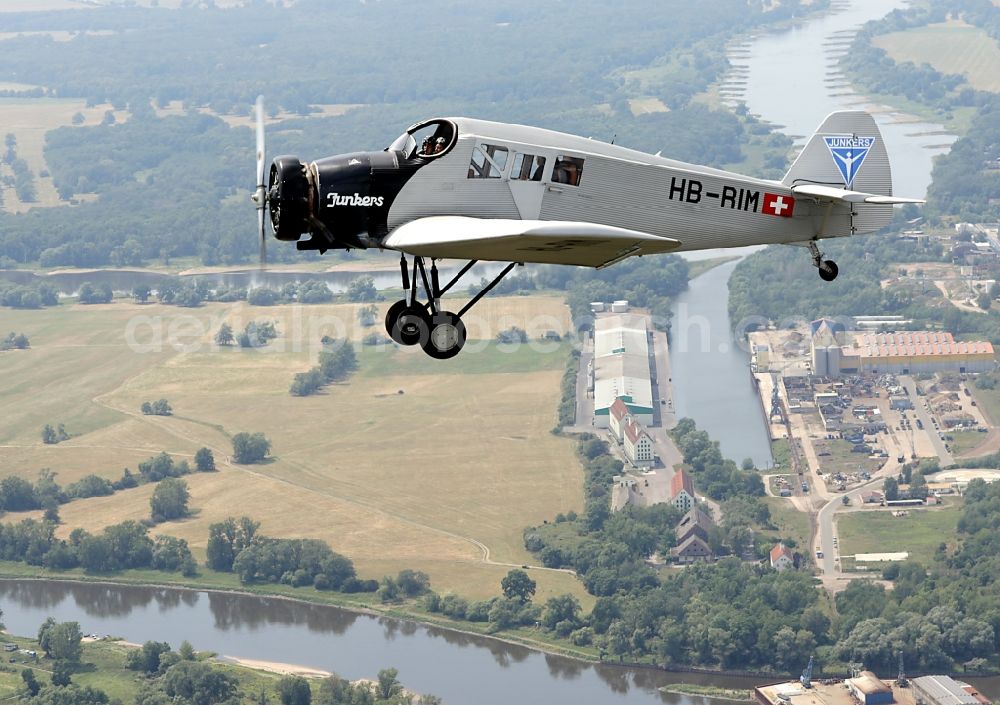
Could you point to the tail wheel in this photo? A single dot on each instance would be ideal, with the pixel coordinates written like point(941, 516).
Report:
point(828, 270)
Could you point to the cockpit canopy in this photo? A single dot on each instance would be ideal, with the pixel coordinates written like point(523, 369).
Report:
point(429, 139)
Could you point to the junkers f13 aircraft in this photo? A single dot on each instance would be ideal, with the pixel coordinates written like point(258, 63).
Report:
point(458, 188)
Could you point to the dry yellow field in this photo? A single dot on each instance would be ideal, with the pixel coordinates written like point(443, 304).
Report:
point(442, 477)
point(950, 47)
point(29, 119)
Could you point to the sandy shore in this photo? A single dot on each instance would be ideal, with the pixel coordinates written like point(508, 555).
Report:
point(284, 669)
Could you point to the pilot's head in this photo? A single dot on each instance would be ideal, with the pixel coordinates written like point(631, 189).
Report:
point(439, 145)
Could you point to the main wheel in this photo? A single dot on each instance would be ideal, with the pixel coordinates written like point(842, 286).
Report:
point(405, 324)
point(828, 270)
point(447, 336)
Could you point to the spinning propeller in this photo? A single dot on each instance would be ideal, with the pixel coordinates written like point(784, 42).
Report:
point(260, 196)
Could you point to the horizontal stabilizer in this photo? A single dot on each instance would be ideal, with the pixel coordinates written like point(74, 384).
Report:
point(832, 193)
point(536, 241)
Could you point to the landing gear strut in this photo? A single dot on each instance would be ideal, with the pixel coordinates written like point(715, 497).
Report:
point(441, 334)
point(827, 268)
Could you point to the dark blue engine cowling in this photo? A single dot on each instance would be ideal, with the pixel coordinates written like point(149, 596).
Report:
point(342, 201)
point(344, 198)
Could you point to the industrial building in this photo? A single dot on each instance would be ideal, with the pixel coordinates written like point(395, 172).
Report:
point(837, 352)
point(824, 692)
point(942, 690)
point(621, 367)
point(869, 689)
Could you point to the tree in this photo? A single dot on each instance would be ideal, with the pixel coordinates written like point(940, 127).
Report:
point(161, 407)
point(30, 682)
point(17, 495)
point(186, 651)
point(367, 315)
point(249, 448)
point(224, 336)
point(49, 435)
point(141, 293)
point(388, 685)
point(518, 586)
point(169, 500)
point(413, 582)
point(294, 690)
point(362, 289)
point(204, 460)
point(62, 674)
point(64, 641)
point(147, 659)
point(890, 488)
point(984, 301)
point(43, 635)
point(226, 539)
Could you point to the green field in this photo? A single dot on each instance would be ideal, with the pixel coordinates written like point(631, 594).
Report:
point(415, 463)
point(790, 523)
point(950, 47)
point(919, 533)
point(964, 442)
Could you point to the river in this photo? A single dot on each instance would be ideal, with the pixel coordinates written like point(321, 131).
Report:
point(461, 668)
point(790, 79)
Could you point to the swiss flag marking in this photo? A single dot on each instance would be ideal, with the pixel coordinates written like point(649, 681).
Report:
point(778, 205)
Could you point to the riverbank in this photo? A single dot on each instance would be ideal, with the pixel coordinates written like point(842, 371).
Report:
point(708, 691)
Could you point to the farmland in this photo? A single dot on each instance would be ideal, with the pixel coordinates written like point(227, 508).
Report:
point(950, 47)
point(413, 463)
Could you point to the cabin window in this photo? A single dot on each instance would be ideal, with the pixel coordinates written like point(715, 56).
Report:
point(488, 161)
point(567, 170)
point(527, 167)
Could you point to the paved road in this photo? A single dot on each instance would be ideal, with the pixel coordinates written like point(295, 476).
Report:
point(833, 578)
point(921, 413)
point(662, 387)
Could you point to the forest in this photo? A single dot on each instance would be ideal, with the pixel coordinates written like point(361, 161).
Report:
point(174, 185)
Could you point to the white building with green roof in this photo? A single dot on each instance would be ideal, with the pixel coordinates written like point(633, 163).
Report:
point(622, 363)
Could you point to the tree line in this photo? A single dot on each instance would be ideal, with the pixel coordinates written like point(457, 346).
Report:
point(337, 361)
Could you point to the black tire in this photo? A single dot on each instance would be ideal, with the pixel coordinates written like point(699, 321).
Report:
point(828, 270)
point(447, 336)
point(407, 325)
point(392, 315)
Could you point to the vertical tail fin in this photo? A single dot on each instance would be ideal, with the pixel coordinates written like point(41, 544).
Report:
point(847, 151)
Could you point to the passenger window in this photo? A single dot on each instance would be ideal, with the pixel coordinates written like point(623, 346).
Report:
point(567, 170)
point(488, 162)
point(527, 167)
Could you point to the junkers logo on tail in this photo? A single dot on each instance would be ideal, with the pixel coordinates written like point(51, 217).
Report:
point(849, 154)
point(355, 199)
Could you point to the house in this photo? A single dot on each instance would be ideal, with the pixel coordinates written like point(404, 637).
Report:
point(638, 445)
point(695, 523)
point(691, 550)
point(682, 491)
point(618, 417)
point(872, 497)
point(781, 557)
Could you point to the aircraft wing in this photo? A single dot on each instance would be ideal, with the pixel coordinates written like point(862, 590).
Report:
point(537, 241)
point(832, 193)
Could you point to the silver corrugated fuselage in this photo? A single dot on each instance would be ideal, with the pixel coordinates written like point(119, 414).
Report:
point(699, 206)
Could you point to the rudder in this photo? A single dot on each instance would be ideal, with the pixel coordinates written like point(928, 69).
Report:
point(848, 151)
